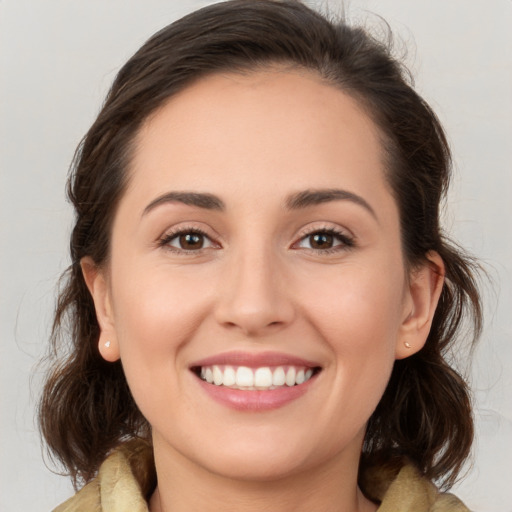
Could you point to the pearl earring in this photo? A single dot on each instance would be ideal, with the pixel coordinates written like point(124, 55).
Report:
point(407, 344)
point(107, 344)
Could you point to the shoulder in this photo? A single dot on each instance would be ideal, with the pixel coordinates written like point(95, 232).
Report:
point(123, 480)
point(409, 491)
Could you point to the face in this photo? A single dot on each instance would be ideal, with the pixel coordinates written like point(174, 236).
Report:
point(256, 291)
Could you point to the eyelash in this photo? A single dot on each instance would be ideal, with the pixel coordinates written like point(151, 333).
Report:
point(347, 241)
point(169, 237)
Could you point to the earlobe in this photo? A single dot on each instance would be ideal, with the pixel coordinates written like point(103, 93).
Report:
point(97, 284)
point(109, 349)
point(425, 286)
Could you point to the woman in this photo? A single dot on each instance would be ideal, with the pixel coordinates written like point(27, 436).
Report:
point(260, 294)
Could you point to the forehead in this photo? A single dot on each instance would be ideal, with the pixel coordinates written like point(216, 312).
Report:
point(263, 130)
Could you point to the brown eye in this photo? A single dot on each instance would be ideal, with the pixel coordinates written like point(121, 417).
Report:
point(321, 240)
point(325, 241)
point(191, 241)
point(187, 241)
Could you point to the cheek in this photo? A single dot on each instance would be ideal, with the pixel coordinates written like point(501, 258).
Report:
point(359, 307)
point(150, 302)
point(359, 318)
point(154, 317)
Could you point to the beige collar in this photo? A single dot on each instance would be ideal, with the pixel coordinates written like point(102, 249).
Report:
point(127, 478)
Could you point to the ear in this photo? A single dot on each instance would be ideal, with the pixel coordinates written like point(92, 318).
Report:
point(425, 286)
point(97, 284)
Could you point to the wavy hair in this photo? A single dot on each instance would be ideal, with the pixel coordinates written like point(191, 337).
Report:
point(425, 414)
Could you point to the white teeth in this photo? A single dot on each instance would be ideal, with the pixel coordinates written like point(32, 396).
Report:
point(229, 376)
point(217, 376)
point(264, 378)
point(290, 376)
point(244, 377)
point(279, 377)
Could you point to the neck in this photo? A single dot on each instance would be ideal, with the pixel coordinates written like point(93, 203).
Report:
point(183, 486)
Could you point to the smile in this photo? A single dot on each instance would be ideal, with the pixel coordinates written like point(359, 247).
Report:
point(251, 379)
point(255, 382)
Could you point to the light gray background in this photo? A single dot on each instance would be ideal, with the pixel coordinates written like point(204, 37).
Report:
point(57, 58)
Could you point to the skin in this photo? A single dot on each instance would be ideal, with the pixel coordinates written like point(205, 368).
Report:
point(259, 284)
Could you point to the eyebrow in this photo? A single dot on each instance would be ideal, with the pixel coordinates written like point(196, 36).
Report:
point(314, 197)
point(296, 201)
point(197, 199)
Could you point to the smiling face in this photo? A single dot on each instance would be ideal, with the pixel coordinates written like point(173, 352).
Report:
point(256, 290)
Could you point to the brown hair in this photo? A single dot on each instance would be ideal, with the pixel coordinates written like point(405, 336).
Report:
point(425, 413)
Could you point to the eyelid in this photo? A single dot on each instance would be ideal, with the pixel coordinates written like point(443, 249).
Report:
point(181, 229)
point(344, 235)
point(347, 238)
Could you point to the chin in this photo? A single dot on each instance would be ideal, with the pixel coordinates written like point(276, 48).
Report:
point(251, 467)
point(261, 455)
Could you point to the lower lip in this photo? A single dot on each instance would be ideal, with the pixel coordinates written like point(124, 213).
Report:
point(255, 400)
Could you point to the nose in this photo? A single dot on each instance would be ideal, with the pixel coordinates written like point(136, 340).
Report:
point(253, 296)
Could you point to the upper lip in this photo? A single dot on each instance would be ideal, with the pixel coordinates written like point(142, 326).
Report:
point(254, 360)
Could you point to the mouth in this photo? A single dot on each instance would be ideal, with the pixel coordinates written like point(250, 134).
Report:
point(255, 382)
point(261, 378)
